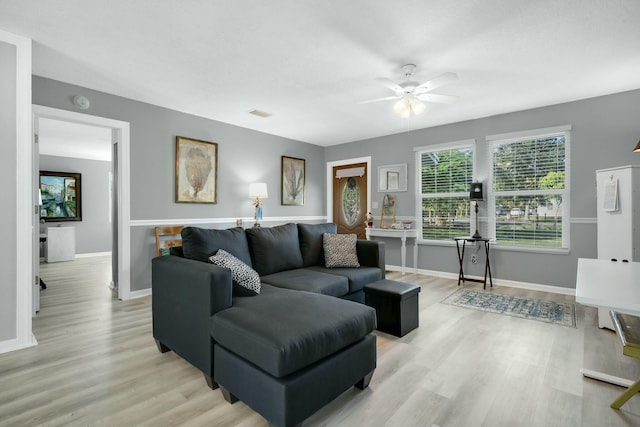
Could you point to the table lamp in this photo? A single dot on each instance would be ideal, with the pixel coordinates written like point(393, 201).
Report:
point(258, 191)
point(475, 195)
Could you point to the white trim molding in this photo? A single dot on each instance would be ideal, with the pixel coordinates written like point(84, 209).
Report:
point(329, 181)
point(24, 196)
point(533, 133)
point(120, 132)
point(139, 294)
point(201, 221)
point(584, 220)
point(93, 254)
point(496, 282)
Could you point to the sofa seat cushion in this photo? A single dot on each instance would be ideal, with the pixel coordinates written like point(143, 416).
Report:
point(274, 249)
point(358, 277)
point(302, 279)
point(282, 331)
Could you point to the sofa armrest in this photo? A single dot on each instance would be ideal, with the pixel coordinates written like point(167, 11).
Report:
point(371, 254)
point(185, 294)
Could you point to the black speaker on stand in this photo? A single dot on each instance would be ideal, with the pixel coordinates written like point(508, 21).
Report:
point(476, 195)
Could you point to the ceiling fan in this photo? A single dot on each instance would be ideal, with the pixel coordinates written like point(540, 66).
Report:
point(411, 94)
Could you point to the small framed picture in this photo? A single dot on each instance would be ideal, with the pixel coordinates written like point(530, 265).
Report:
point(293, 181)
point(393, 180)
point(196, 171)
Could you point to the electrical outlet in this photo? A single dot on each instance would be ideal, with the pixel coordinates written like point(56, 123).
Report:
point(474, 259)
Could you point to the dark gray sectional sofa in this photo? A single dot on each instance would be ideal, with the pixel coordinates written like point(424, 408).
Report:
point(291, 349)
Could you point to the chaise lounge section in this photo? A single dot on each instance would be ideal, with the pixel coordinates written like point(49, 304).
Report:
point(287, 351)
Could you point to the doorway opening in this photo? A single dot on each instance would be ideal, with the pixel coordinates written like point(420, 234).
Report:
point(115, 209)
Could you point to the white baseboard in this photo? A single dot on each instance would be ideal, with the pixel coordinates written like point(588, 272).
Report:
point(139, 294)
point(92, 254)
point(15, 344)
point(496, 282)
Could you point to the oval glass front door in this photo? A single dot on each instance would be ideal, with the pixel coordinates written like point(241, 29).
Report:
point(351, 202)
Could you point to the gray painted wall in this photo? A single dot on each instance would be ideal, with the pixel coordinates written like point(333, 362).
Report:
point(93, 233)
point(244, 156)
point(604, 133)
point(8, 178)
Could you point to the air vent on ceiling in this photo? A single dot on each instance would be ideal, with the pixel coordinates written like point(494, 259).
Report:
point(259, 113)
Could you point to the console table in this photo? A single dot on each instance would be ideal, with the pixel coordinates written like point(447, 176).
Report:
point(401, 234)
point(487, 265)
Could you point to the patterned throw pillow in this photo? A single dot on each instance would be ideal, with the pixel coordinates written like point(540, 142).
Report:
point(340, 250)
point(241, 273)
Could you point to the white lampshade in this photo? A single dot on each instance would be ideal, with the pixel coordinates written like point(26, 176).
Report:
point(39, 197)
point(259, 190)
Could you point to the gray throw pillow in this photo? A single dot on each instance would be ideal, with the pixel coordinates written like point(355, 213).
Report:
point(340, 250)
point(241, 273)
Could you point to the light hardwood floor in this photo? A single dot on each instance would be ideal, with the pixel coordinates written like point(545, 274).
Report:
point(97, 364)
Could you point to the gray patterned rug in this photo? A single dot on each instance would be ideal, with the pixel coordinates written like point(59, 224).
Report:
point(560, 313)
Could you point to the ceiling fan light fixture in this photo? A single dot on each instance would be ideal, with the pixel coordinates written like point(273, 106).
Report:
point(402, 108)
point(408, 105)
point(417, 106)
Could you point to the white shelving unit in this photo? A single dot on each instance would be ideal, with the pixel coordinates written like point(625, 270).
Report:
point(618, 209)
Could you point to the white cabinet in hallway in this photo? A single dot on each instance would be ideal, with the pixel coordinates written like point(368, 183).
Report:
point(61, 244)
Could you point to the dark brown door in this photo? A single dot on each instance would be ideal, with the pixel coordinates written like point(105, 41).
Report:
point(350, 198)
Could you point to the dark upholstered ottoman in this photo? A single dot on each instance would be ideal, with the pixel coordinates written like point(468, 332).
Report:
point(287, 353)
point(396, 305)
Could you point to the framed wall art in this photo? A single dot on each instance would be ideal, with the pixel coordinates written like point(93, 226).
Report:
point(61, 195)
point(196, 171)
point(392, 178)
point(293, 181)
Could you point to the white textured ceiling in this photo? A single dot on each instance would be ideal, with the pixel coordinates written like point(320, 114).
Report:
point(66, 139)
point(309, 62)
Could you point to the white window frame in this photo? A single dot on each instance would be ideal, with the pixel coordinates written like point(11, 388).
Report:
point(465, 143)
point(505, 138)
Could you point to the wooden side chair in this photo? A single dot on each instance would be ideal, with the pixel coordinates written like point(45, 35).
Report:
point(168, 237)
point(628, 330)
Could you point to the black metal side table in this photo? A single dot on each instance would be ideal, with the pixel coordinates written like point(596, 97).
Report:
point(487, 265)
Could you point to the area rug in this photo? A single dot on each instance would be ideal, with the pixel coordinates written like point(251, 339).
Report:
point(560, 313)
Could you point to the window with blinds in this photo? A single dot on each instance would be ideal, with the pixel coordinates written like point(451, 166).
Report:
point(529, 193)
point(445, 175)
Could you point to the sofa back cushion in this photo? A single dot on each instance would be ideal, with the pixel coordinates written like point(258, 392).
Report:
point(311, 242)
point(274, 249)
point(201, 243)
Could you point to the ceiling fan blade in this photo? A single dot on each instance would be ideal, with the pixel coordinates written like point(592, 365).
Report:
point(386, 98)
point(440, 99)
point(391, 85)
point(435, 83)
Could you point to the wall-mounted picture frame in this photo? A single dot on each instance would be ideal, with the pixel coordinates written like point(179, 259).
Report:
point(293, 176)
point(392, 178)
point(196, 171)
point(61, 195)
